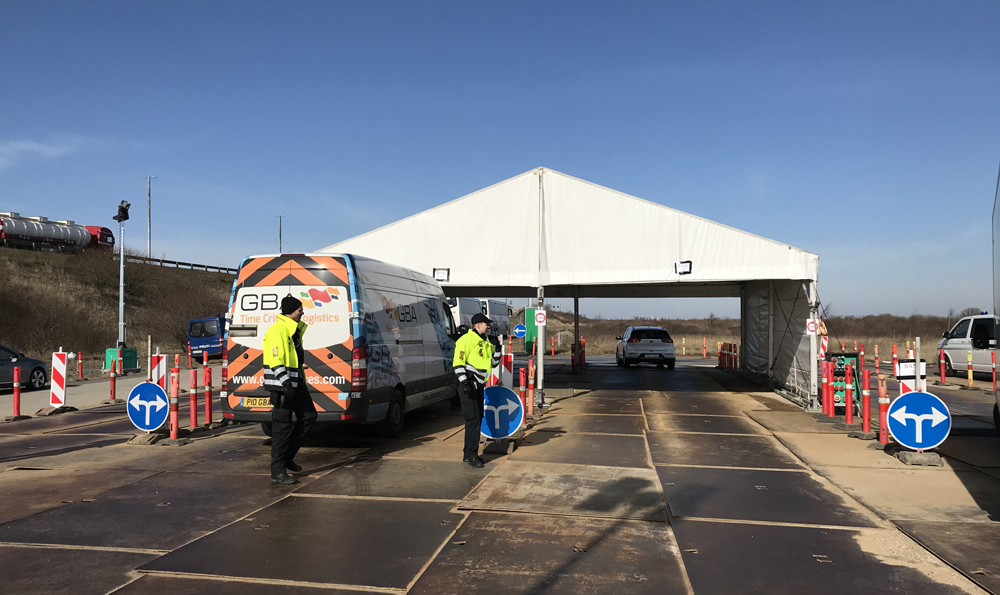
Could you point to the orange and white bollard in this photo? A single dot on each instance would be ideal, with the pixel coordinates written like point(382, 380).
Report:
point(207, 371)
point(849, 395)
point(704, 347)
point(17, 397)
point(553, 346)
point(114, 366)
point(824, 371)
point(941, 363)
point(79, 365)
point(583, 351)
point(861, 358)
point(993, 364)
point(876, 359)
point(190, 360)
point(895, 362)
point(121, 366)
point(855, 347)
point(194, 398)
point(843, 347)
point(523, 388)
point(883, 411)
point(684, 349)
point(175, 380)
point(866, 402)
point(531, 388)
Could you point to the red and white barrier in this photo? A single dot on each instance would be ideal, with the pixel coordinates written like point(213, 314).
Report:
point(57, 394)
point(158, 370)
point(194, 398)
point(824, 343)
point(208, 393)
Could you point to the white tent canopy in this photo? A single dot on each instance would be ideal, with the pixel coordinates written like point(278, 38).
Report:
point(572, 238)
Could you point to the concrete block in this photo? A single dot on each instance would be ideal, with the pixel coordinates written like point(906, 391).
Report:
point(927, 459)
point(55, 410)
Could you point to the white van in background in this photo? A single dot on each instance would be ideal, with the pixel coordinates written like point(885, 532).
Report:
point(379, 343)
point(972, 333)
point(462, 311)
point(499, 312)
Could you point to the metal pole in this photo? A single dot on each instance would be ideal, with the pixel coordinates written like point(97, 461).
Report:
point(576, 325)
point(916, 357)
point(279, 234)
point(540, 352)
point(121, 284)
point(813, 316)
point(149, 215)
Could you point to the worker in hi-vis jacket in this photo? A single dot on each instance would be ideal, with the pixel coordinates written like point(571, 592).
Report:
point(475, 357)
point(285, 380)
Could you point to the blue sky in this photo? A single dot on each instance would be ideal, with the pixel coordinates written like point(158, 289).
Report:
point(865, 132)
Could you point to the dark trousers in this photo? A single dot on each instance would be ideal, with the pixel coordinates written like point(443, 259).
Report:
point(472, 413)
point(286, 435)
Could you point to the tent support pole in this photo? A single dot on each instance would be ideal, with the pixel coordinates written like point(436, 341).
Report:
point(813, 348)
point(540, 351)
point(576, 326)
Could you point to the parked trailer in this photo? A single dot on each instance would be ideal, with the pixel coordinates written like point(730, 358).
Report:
point(38, 233)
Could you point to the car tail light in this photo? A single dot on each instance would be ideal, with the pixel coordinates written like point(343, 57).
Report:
point(667, 340)
point(229, 415)
point(359, 368)
point(347, 416)
point(633, 340)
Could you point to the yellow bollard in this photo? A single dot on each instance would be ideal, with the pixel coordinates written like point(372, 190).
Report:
point(970, 368)
point(684, 347)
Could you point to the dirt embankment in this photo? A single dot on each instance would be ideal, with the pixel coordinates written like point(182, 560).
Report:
point(50, 300)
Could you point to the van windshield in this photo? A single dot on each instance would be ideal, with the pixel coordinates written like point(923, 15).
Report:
point(204, 328)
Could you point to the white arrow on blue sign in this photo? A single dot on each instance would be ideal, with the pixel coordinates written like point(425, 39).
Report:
point(147, 406)
point(520, 331)
point(502, 414)
point(919, 420)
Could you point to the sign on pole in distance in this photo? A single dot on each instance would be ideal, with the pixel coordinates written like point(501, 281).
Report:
point(810, 327)
point(147, 406)
point(520, 331)
point(502, 412)
point(919, 420)
point(539, 317)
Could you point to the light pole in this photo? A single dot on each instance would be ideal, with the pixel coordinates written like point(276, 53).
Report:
point(149, 216)
point(279, 233)
point(121, 218)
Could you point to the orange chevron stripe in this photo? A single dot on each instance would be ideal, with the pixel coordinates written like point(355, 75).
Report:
point(237, 366)
point(333, 265)
point(273, 278)
point(252, 267)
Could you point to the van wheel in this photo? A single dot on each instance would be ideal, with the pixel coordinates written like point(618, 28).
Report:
point(618, 360)
point(392, 425)
point(265, 427)
point(948, 370)
point(670, 365)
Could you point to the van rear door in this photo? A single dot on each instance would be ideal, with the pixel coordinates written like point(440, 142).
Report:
point(321, 284)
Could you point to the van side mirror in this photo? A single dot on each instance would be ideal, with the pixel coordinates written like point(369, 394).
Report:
point(946, 335)
point(618, 338)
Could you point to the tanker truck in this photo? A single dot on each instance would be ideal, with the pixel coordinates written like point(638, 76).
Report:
point(38, 233)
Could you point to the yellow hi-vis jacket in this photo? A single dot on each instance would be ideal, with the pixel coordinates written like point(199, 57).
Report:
point(281, 359)
point(474, 359)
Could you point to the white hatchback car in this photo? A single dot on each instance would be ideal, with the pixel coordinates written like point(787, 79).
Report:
point(646, 345)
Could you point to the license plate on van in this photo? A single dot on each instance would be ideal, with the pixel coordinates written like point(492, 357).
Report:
point(252, 402)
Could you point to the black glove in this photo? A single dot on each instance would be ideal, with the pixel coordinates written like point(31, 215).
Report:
point(288, 395)
point(465, 388)
point(496, 344)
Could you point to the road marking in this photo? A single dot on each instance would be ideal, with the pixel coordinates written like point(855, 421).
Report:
point(385, 498)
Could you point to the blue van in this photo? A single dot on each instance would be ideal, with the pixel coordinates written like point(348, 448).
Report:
point(207, 335)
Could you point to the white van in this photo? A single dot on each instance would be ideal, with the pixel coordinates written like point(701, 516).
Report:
point(462, 311)
point(380, 341)
point(499, 312)
point(972, 333)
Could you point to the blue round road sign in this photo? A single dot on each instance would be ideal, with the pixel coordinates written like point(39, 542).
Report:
point(147, 406)
point(520, 331)
point(502, 413)
point(919, 420)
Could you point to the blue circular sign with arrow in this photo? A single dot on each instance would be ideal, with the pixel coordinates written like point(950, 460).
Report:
point(502, 412)
point(520, 331)
point(919, 420)
point(147, 406)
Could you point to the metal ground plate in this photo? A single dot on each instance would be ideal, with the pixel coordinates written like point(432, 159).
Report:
point(511, 554)
point(718, 450)
point(592, 424)
point(255, 458)
point(596, 405)
point(46, 571)
point(727, 558)
point(400, 478)
point(583, 449)
point(584, 490)
point(24, 451)
point(718, 424)
point(973, 548)
point(24, 492)
point(339, 541)
point(756, 495)
point(162, 512)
